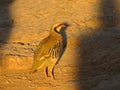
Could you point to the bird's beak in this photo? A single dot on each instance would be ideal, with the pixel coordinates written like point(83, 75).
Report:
point(62, 26)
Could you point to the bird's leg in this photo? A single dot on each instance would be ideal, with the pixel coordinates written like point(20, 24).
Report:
point(51, 71)
point(45, 71)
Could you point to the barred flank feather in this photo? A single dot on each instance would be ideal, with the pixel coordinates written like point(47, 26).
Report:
point(55, 51)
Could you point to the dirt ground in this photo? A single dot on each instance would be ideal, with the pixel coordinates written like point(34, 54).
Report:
point(91, 60)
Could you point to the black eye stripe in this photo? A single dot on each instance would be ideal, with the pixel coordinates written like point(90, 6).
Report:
point(56, 30)
point(57, 27)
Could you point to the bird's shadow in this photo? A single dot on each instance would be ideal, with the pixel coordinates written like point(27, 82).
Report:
point(64, 40)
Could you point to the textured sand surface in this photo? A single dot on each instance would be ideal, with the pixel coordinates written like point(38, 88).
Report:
point(91, 60)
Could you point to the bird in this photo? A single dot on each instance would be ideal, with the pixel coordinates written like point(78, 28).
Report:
point(49, 51)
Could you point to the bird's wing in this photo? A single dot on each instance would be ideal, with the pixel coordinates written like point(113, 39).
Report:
point(44, 52)
point(38, 59)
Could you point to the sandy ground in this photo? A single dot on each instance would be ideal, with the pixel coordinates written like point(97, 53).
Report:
point(91, 60)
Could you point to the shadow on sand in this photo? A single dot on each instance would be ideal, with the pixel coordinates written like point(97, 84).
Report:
point(100, 53)
point(6, 24)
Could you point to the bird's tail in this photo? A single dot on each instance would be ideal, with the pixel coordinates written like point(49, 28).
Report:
point(36, 66)
point(32, 71)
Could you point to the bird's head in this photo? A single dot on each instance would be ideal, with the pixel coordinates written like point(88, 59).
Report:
point(58, 27)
